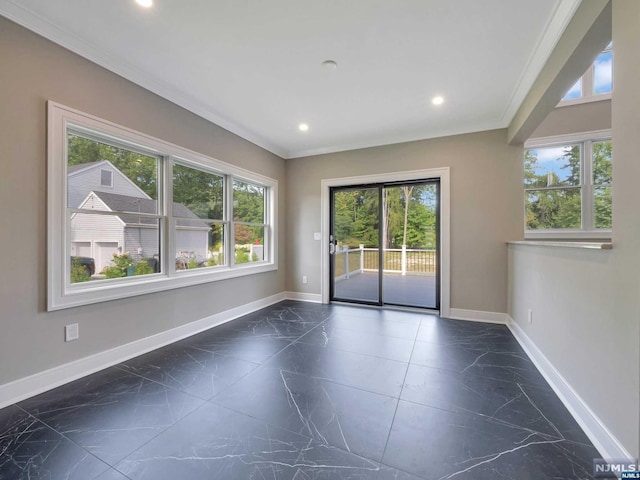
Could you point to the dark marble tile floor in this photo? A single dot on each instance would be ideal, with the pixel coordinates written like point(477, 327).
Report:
point(304, 391)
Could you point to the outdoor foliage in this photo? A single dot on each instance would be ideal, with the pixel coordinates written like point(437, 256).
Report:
point(122, 262)
point(553, 198)
point(201, 192)
point(408, 212)
point(248, 206)
point(242, 256)
point(79, 272)
point(140, 169)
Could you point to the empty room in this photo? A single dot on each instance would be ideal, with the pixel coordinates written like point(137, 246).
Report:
point(320, 240)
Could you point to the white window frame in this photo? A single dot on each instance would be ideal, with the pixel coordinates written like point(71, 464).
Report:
point(587, 231)
point(587, 87)
point(60, 292)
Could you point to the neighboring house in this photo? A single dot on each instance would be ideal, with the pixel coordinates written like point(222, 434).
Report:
point(101, 186)
point(98, 177)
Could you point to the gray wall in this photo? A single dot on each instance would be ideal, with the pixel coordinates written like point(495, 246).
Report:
point(584, 117)
point(585, 303)
point(33, 71)
point(486, 208)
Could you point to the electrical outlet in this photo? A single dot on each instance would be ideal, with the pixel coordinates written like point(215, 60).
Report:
point(317, 236)
point(530, 316)
point(304, 279)
point(71, 332)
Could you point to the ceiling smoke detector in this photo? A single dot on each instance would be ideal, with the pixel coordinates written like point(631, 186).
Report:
point(329, 65)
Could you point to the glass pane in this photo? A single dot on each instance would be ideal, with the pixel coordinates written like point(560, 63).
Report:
point(553, 209)
point(249, 246)
point(133, 176)
point(551, 167)
point(602, 207)
point(409, 273)
point(602, 162)
point(102, 247)
point(199, 244)
point(248, 202)
point(356, 225)
point(603, 73)
point(575, 91)
point(197, 193)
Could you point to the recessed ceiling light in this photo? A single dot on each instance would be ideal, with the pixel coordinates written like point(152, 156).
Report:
point(437, 100)
point(145, 3)
point(303, 127)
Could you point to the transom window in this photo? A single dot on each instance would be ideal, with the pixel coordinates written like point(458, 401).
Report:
point(568, 186)
point(596, 83)
point(130, 214)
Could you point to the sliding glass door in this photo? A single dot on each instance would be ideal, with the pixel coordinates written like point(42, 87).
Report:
point(355, 236)
point(384, 244)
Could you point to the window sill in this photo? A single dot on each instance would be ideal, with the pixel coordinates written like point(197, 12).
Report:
point(601, 235)
point(548, 243)
point(582, 100)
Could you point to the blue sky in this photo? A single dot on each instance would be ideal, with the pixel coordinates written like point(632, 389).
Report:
point(602, 77)
point(550, 160)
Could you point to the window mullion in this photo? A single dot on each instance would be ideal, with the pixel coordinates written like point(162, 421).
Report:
point(230, 247)
point(169, 249)
point(587, 185)
point(587, 82)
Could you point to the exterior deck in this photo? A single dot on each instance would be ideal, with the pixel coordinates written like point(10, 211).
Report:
point(397, 289)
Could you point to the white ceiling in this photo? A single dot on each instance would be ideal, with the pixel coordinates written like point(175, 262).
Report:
point(254, 66)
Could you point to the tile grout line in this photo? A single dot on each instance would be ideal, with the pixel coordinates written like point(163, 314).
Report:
point(88, 452)
point(393, 420)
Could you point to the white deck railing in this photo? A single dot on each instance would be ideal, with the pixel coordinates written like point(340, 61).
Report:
point(350, 261)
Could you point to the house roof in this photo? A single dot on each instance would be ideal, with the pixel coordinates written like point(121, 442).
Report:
point(126, 203)
point(84, 166)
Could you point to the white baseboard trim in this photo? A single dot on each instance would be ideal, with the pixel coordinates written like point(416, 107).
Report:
point(35, 384)
point(304, 297)
point(601, 437)
point(479, 316)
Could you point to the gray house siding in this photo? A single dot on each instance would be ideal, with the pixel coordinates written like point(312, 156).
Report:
point(85, 178)
point(142, 241)
point(192, 243)
point(100, 236)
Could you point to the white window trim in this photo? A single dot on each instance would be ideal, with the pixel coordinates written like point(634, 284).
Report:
point(587, 88)
point(60, 293)
point(581, 100)
point(586, 188)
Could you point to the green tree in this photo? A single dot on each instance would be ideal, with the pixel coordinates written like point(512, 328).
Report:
point(558, 207)
point(356, 216)
point(140, 169)
point(602, 178)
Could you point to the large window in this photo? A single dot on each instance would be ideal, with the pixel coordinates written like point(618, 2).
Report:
point(130, 214)
point(567, 184)
point(596, 83)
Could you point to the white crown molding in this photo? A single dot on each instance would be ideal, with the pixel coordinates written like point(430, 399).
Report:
point(602, 438)
point(394, 139)
point(40, 25)
point(40, 382)
point(36, 23)
point(558, 21)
